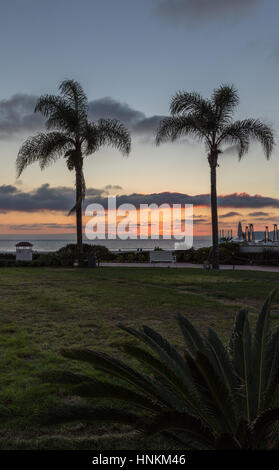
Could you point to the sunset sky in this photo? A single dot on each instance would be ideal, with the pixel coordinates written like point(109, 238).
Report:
point(131, 56)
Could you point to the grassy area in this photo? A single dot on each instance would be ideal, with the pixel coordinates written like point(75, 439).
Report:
point(43, 309)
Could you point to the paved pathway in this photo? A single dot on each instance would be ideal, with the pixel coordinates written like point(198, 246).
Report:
point(274, 269)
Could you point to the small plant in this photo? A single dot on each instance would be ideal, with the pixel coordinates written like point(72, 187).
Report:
point(210, 397)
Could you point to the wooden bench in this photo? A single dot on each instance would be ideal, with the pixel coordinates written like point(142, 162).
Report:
point(161, 257)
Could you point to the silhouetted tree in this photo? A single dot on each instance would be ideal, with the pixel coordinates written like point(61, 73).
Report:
point(72, 137)
point(210, 121)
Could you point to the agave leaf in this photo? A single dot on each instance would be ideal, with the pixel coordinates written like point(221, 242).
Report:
point(260, 353)
point(163, 348)
point(194, 340)
point(176, 364)
point(271, 392)
point(261, 427)
point(84, 386)
point(226, 442)
point(214, 391)
point(183, 395)
point(100, 389)
point(173, 420)
point(116, 368)
point(241, 348)
point(221, 358)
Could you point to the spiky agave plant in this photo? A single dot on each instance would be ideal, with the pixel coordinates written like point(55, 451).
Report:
point(211, 397)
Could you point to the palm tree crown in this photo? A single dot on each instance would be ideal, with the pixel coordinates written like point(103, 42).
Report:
point(71, 136)
point(71, 132)
point(211, 121)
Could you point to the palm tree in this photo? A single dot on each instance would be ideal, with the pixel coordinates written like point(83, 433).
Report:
point(72, 137)
point(212, 396)
point(210, 121)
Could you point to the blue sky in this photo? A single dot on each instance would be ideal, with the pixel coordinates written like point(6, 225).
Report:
point(140, 53)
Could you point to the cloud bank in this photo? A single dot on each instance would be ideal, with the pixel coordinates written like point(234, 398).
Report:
point(17, 116)
point(198, 12)
point(61, 198)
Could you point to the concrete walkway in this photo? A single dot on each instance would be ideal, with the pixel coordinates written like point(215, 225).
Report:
point(272, 269)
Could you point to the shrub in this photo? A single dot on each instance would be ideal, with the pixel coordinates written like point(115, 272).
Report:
point(101, 252)
point(211, 397)
point(132, 257)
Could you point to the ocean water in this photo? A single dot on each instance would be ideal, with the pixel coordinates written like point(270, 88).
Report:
point(46, 243)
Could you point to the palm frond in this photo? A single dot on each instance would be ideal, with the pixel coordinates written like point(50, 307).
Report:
point(75, 96)
point(50, 104)
point(44, 148)
point(90, 138)
point(225, 99)
point(113, 133)
point(184, 103)
point(174, 127)
point(174, 420)
point(249, 129)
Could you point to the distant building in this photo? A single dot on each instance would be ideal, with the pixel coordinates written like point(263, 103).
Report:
point(24, 251)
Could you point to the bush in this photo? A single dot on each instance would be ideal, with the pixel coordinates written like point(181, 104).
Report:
point(132, 257)
point(101, 252)
point(212, 397)
point(229, 254)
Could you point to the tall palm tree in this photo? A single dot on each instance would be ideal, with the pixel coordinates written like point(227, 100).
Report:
point(72, 137)
point(210, 121)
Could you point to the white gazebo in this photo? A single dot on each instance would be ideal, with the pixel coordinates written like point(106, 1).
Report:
point(24, 251)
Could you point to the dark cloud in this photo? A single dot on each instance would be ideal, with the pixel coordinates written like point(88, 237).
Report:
point(246, 200)
point(17, 116)
point(7, 189)
point(109, 108)
point(199, 221)
point(136, 121)
point(259, 214)
point(193, 12)
point(147, 126)
point(230, 214)
point(231, 200)
point(41, 226)
point(48, 198)
point(61, 198)
point(110, 187)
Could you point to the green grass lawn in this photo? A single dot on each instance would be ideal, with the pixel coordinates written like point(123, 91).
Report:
point(43, 309)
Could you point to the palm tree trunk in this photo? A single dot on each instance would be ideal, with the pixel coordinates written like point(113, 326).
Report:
point(79, 212)
point(214, 214)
